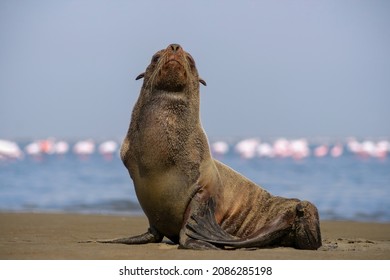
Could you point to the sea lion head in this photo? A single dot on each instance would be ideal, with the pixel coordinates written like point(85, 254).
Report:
point(172, 70)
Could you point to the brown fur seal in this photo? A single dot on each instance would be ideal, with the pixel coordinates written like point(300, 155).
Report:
point(188, 196)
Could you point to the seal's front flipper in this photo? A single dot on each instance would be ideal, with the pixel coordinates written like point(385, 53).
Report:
point(151, 236)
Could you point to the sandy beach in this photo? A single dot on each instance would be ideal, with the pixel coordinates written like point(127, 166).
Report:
point(32, 236)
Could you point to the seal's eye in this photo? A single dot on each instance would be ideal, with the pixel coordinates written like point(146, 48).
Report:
point(155, 58)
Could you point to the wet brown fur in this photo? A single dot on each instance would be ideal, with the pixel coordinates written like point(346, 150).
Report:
point(187, 195)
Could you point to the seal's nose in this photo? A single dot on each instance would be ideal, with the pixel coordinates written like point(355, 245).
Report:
point(175, 47)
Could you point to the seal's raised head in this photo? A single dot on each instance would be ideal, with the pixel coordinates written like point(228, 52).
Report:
point(171, 69)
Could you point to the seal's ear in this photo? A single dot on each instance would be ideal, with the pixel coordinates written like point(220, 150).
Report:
point(203, 82)
point(140, 76)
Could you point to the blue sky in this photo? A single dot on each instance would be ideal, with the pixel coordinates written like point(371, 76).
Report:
point(273, 68)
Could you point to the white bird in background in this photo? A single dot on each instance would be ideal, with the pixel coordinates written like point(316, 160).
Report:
point(9, 150)
point(337, 150)
point(61, 147)
point(219, 148)
point(382, 149)
point(107, 149)
point(247, 148)
point(299, 149)
point(282, 148)
point(354, 146)
point(84, 148)
point(321, 151)
point(34, 149)
point(265, 150)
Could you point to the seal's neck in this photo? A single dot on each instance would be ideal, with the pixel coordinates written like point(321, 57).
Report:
point(182, 104)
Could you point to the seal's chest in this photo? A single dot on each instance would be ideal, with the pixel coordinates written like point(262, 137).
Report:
point(164, 197)
point(161, 138)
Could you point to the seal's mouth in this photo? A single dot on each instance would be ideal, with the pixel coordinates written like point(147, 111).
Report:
point(172, 76)
point(172, 66)
point(173, 61)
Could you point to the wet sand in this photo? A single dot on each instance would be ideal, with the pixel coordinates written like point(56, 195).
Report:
point(31, 236)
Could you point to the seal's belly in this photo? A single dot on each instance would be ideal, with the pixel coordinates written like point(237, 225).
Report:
point(164, 199)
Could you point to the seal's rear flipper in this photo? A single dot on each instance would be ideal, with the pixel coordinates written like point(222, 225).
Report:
point(202, 226)
point(307, 227)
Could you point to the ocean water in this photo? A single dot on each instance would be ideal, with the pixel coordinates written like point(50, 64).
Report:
point(343, 188)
